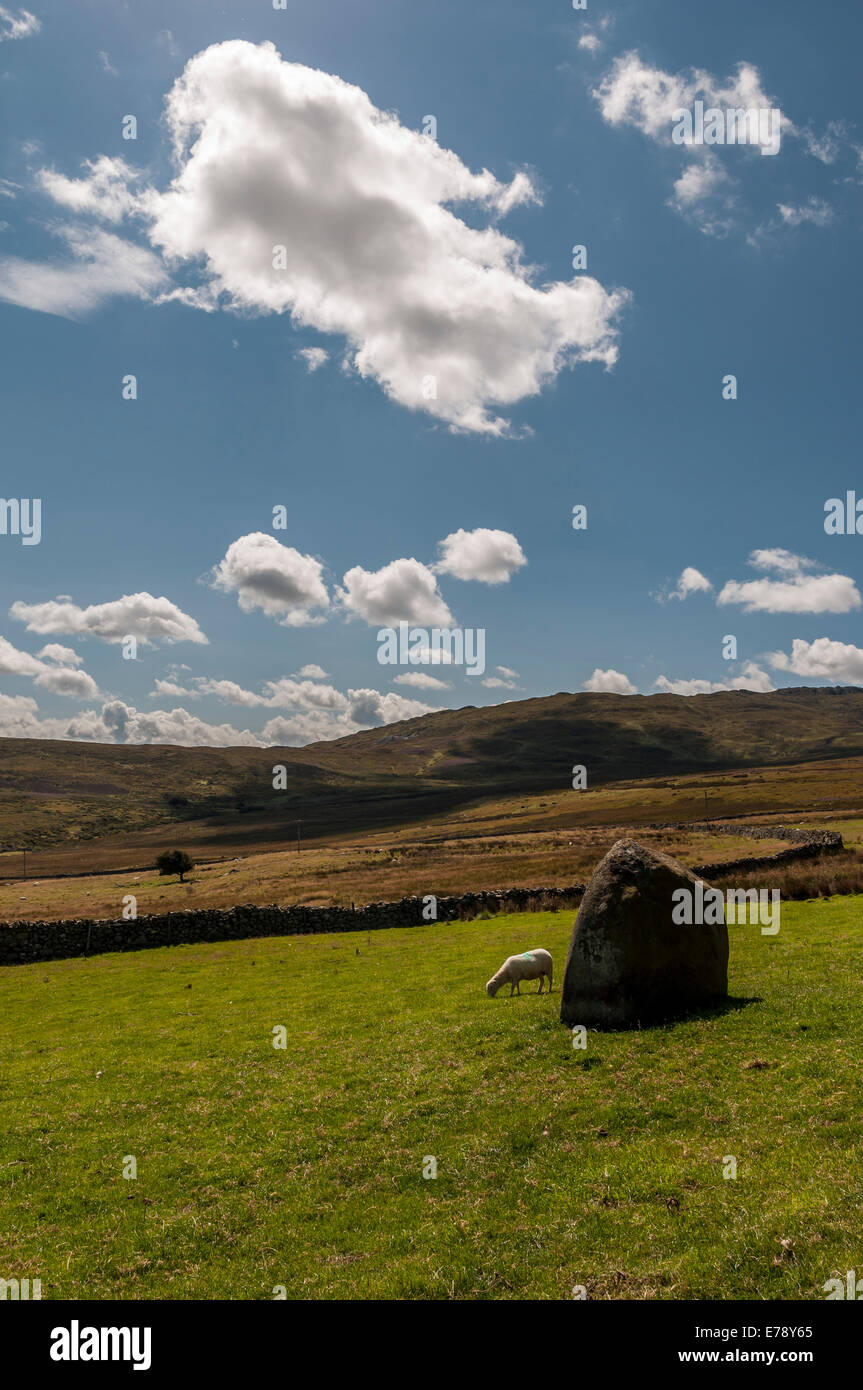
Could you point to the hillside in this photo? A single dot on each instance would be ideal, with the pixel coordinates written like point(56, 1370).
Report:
point(53, 793)
point(303, 1167)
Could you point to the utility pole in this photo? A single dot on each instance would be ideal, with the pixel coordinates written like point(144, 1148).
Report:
point(24, 852)
point(706, 815)
point(299, 823)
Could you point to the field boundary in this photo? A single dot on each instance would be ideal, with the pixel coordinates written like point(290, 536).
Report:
point(22, 943)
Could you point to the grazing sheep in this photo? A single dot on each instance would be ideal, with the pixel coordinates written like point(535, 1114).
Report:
point(531, 966)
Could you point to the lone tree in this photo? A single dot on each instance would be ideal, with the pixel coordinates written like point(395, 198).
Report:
point(174, 861)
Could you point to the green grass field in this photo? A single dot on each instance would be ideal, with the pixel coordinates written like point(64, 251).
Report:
point(303, 1167)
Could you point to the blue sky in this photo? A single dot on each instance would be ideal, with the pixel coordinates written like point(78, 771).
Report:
point(402, 262)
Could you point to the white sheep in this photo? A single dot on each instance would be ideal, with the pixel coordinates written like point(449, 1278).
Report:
point(530, 966)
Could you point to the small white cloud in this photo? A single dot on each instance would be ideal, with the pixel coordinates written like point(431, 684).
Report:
point(489, 556)
point(610, 682)
point(229, 691)
point(814, 211)
point(100, 267)
point(141, 615)
point(311, 673)
point(634, 93)
point(45, 671)
point(61, 656)
point(783, 561)
point(402, 591)
point(165, 39)
point(421, 681)
point(823, 659)
point(171, 690)
point(370, 708)
point(314, 357)
point(106, 191)
point(279, 580)
point(795, 592)
point(76, 684)
point(698, 181)
point(17, 26)
point(752, 678)
point(827, 146)
point(691, 581)
point(308, 694)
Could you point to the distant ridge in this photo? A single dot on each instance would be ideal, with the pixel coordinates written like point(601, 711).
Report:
point(52, 791)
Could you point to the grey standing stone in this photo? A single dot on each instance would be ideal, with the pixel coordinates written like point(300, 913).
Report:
point(628, 962)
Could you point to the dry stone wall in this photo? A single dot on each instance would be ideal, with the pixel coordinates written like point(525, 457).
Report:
point(24, 942)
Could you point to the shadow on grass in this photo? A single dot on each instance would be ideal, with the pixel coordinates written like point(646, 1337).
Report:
point(730, 1005)
point(733, 1004)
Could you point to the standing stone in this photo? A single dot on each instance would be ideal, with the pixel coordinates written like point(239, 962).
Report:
point(629, 963)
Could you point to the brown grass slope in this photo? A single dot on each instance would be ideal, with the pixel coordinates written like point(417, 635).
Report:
point(54, 792)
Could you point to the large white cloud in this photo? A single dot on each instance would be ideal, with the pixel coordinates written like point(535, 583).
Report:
point(176, 726)
point(403, 591)
point(149, 619)
point(490, 556)
point(364, 709)
point(824, 659)
point(795, 591)
point(265, 574)
point(444, 316)
point(117, 722)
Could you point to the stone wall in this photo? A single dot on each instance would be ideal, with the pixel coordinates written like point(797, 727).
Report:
point(808, 844)
point(827, 839)
point(23, 942)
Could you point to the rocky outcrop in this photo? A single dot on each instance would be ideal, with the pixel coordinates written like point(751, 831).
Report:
point(629, 963)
